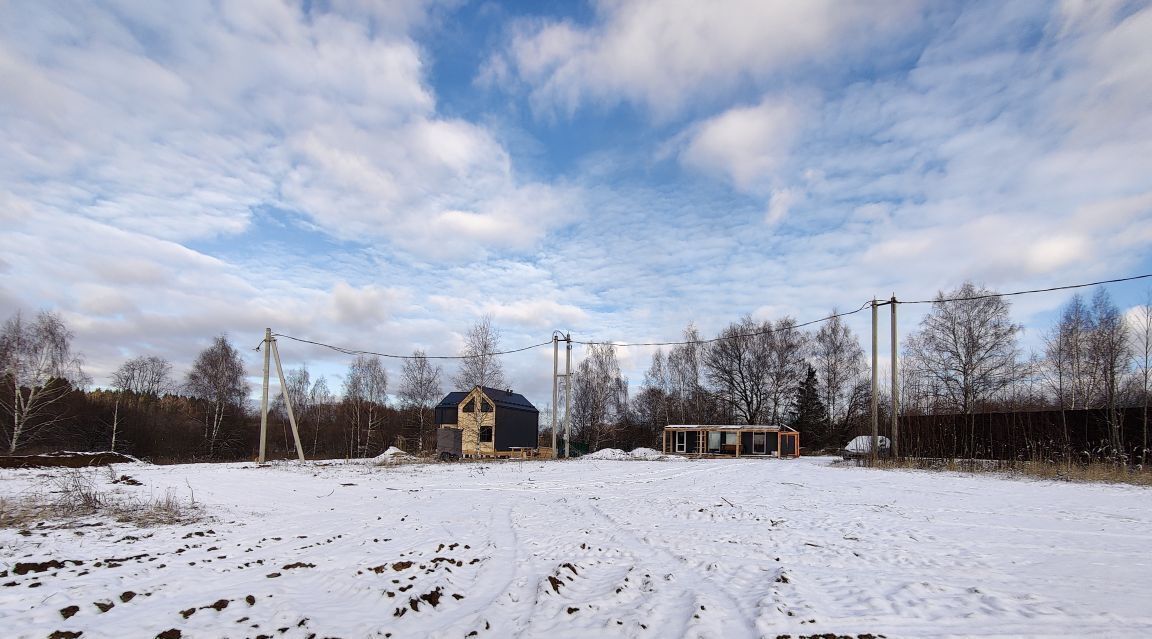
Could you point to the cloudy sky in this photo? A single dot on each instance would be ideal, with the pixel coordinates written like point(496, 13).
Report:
point(379, 175)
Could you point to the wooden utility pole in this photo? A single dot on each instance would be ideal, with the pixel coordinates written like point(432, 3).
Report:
point(568, 397)
point(555, 387)
point(264, 397)
point(895, 386)
point(874, 453)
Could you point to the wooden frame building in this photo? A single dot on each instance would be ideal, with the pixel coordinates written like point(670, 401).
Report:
point(752, 440)
point(492, 422)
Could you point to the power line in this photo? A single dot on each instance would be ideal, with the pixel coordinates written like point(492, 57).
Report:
point(725, 337)
point(1036, 290)
point(350, 351)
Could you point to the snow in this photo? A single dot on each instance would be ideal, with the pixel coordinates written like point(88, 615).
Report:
point(639, 454)
point(590, 548)
point(392, 456)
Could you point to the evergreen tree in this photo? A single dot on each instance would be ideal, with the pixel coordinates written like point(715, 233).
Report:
point(808, 415)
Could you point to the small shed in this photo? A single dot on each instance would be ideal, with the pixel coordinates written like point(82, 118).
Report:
point(492, 421)
point(745, 440)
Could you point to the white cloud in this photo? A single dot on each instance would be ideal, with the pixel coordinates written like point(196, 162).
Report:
point(178, 123)
point(747, 145)
point(663, 56)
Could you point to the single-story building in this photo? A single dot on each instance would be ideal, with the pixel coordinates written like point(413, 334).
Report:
point(492, 421)
point(754, 440)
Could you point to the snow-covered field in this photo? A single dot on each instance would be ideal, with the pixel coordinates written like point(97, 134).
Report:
point(591, 548)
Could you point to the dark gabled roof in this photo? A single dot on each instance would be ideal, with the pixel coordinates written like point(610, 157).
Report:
point(500, 396)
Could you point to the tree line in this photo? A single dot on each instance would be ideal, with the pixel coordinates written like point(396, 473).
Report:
point(48, 403)
point(964, 358)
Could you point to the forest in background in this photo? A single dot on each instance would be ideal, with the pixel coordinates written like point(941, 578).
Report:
point(1085, 395)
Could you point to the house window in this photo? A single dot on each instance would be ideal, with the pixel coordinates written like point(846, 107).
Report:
point(486, 435)
point(681, 441)
point(485, 407)
point(731, 438)
point(470, 406)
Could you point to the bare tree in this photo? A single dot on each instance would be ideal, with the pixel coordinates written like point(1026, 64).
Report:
point(600, 395)
point(38, 370)
point(481, 367)
point(321, 400)
point(839, 363)
point(786, 367)
point(684, 384)
point(419, 390)
point(967, 342)
point(365, 396)
point(1066, 354)
point(1141, 332)
point(217, 378)
point(143, 376)
point(1109, 356)
point(298, 382)
point(739, 364)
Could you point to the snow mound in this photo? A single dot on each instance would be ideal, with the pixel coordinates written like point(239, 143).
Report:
point(608, 453)
point(392, 456)
point(639, 454)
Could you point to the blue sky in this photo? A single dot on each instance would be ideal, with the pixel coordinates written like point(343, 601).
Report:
point(380, 175)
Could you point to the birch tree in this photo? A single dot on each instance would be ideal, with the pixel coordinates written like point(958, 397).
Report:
point(419, 390)
point(217, 379)
point(600, 395)
point(365, 395)
point(480, 366)
point(38, 370)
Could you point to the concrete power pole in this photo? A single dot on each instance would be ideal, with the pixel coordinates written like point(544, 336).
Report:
point(895, 386)
point(568, 397)
point(874, 453)
point(555, 387)
point(264, 397)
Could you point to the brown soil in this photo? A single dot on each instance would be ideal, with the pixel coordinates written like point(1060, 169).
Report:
point(63, 460)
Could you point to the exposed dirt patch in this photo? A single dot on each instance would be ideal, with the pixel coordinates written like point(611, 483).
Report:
point(64, 460)
point(219, 605)
point(171, 633)
point(68, 611)
point(104, 606)
point(125, 597)
point(250, 600)
point(556, 583)
point(31, 566)
point(65, 634)
point(298, 564)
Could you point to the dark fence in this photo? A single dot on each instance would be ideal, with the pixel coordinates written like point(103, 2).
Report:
point(1080, 435)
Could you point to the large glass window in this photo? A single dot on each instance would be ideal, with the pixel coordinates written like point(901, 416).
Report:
point(714, 441)
point(470, 406)
point(681, 441)
point(485, 434)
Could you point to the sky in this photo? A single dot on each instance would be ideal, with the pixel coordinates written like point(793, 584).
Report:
point(380, 175)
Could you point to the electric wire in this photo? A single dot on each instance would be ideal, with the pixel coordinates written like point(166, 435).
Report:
point(867, 304)
point(1035, 290)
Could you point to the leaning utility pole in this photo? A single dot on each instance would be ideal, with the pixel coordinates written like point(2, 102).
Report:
point(874, 453)
point(568, 397)
point(895, 386)
point(555, 386)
